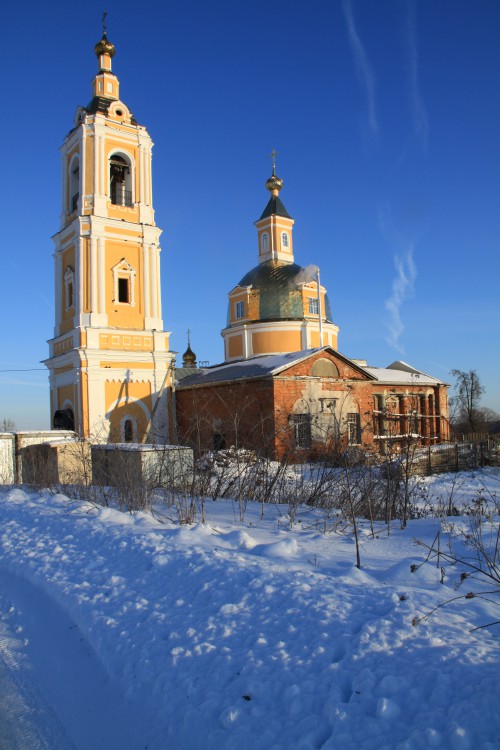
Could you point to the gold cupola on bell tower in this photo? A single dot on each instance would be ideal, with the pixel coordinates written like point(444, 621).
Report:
point(105, 84)
point(109, 357)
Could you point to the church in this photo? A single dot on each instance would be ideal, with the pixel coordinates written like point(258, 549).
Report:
point(283, 386)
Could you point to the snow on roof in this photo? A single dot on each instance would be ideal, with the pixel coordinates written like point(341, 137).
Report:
point(138, 447)
point(403, 374)
point(254, 367)
point(270, 364)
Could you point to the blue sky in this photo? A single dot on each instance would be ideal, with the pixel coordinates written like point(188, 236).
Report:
point(386, 119)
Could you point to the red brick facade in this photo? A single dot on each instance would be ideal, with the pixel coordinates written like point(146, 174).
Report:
point(322, 403)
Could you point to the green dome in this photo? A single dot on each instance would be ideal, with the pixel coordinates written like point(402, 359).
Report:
point(280, 297)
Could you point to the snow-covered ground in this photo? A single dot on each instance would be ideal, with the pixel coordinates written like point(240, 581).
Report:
point(131, 632)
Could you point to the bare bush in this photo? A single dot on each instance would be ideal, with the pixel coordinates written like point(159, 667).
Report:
point(472, 549)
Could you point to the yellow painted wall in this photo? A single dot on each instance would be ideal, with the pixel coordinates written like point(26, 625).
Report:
point(89, 166)
point(133, 233)
point(66, 393)
point(238, 297)
point(328, 338)
point(235, 346)
point(274, 226)
point(60, 370)
point(130, 407)
point(123, 212)
point(124, 315)
point(63, 346)
point(86, 276)
point(127, 365)
point(127, 342)
point(276, 341)
point(85, 428)
point(68, 259)
point(315, 339)
point(120, 389)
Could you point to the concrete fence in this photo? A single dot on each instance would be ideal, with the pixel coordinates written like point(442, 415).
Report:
point(52, 457)
point(13, 447)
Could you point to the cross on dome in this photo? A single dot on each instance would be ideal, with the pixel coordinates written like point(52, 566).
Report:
point(274, 183)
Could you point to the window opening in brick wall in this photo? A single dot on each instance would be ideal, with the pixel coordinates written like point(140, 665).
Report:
point(353, 429)
point(219, 441)
point(302, 430)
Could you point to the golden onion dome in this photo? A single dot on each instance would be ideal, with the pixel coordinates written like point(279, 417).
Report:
point(274, 183)
point(104, 47)
point(189, 358)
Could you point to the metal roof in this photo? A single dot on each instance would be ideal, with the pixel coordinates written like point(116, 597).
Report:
point(254, 367)
point(271, 364)
point(401, 373)
point(259, 367)
point(274, 207)
point(280, 297)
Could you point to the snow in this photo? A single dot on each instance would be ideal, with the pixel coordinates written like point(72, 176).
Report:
point(411, 376)
point(130, 631)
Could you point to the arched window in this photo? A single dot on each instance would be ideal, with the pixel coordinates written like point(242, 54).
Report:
point(120, 181)
point(284, 239)
point(64, 419)
point(69, 286)
point(265, 242)
point(129, 429)
point(74, 183)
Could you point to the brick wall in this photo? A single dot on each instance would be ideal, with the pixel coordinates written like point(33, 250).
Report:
point(338, 411)
point(226, 414)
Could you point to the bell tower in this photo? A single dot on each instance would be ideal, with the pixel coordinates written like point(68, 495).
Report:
point(109, 359)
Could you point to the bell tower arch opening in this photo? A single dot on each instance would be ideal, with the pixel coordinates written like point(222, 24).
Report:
point(74, 183)
point(121, 180)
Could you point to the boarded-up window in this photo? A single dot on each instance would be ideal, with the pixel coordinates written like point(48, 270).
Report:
point(324, 368)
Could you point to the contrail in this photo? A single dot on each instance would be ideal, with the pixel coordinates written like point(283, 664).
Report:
point(402, 290)
point(417, 106)
point(363, 67)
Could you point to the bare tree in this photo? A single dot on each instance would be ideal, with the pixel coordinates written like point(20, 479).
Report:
point(468, 392)
point(7, 425)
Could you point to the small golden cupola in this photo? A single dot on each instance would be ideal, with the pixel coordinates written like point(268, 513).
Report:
point(189, 357)
point(105, 84)
point(274, 228)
